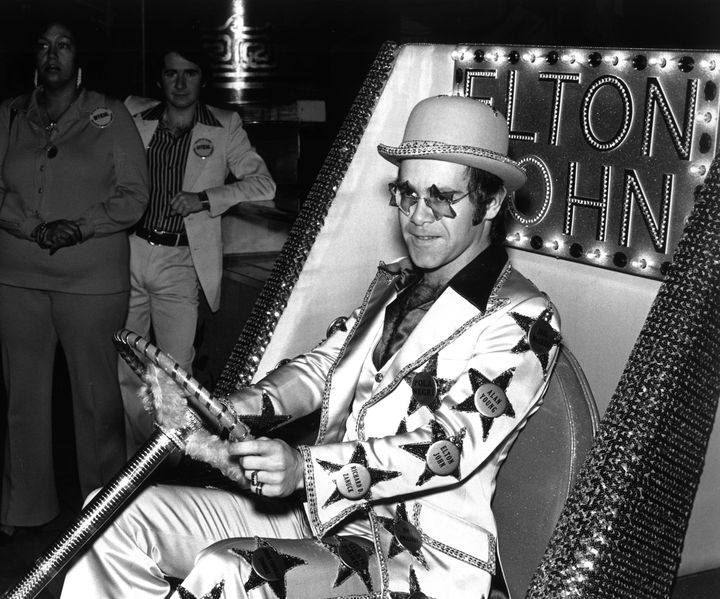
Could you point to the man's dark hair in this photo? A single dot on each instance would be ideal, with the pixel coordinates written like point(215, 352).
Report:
point(483, 187)
point(189, 51)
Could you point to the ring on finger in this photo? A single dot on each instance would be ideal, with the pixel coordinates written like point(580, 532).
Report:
point(254, 478)
point(258, 488)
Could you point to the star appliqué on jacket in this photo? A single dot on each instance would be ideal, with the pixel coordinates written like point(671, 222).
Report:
point(414, 590)
point(214, 593)
point(358, 457)
point(442, 387)
point(266, 421)
point(288, 562)
point(477, 379)
point(551, 338)
point(420, 450)
point(396, 547)
point(361, 568)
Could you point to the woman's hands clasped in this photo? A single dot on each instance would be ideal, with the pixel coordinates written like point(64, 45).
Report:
point(57, 234)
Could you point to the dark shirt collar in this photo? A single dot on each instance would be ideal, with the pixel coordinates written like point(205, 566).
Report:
point(202, 114)
point(476, 281)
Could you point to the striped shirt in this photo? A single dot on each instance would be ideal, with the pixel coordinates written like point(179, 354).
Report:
point(166, 157)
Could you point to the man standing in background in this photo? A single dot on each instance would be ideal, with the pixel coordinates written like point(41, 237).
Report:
point(176, 249)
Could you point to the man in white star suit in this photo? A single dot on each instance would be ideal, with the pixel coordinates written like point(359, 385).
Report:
point(422, 390)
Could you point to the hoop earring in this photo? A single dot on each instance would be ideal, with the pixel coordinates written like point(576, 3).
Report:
point(78, 80)
point(35, 78)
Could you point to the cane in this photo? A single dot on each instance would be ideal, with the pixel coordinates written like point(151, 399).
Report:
point(205, 409)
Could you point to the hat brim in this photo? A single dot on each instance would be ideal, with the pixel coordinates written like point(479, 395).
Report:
point(511, 173)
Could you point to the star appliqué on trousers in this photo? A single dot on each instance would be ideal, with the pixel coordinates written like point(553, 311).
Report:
point(442, 386)
point(414, 588)
point(358, 457)
point(214, 593)
point(477, 379)
point(266, 421)
point(360, 567)
point(287, 562)
point(396, 547)
point(526, 324)
point(420, 450)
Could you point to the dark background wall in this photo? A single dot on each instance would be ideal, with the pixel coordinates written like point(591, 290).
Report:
point(323, 48)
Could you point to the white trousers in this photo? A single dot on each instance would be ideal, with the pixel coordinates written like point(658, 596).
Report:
point(163, 296)
point(161, 533)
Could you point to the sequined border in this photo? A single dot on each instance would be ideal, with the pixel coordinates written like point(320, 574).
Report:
point(431, 148)
point(488, 566)
point(271, 303)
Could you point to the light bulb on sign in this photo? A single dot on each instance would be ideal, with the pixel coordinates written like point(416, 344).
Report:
point(640, 264)
point(698, 170)
point(553, 245)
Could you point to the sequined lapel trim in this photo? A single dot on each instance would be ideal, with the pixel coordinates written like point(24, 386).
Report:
point(328, 379)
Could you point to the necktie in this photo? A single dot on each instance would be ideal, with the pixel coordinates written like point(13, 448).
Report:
point(401, 317)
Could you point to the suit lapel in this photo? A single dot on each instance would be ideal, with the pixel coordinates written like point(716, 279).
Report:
point(146, 129)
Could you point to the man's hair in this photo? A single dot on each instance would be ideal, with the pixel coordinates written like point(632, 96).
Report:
point(189, 51)
point(483, 187)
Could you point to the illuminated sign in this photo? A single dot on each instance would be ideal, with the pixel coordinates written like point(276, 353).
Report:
point(614, 142)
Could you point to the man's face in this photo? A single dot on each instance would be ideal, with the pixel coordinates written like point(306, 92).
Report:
point(181, 81)
point(442, 247)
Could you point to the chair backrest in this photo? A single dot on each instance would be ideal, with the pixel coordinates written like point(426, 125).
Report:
point(537, 475)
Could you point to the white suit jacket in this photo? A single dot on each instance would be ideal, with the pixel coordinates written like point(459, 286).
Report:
point(231, 154)
point(479, 336)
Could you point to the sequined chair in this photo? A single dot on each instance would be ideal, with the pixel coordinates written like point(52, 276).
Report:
point(342, 232)
point(621, 532)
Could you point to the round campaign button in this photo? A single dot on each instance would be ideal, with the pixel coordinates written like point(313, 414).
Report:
point(203, 147)
point(353, 481)
point(424, 388)
point(443, 457)
point(541, 337)
point(490, 400)
point(407, 535)
point(353, 555)
point(268, 564)
point(101, 117)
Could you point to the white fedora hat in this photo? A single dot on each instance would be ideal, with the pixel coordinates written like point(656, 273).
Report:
point(461, 130)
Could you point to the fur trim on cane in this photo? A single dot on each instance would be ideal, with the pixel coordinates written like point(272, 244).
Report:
point(211, 449)
point(162, 397)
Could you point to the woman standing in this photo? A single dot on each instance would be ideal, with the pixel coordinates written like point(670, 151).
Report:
point(72, 180)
